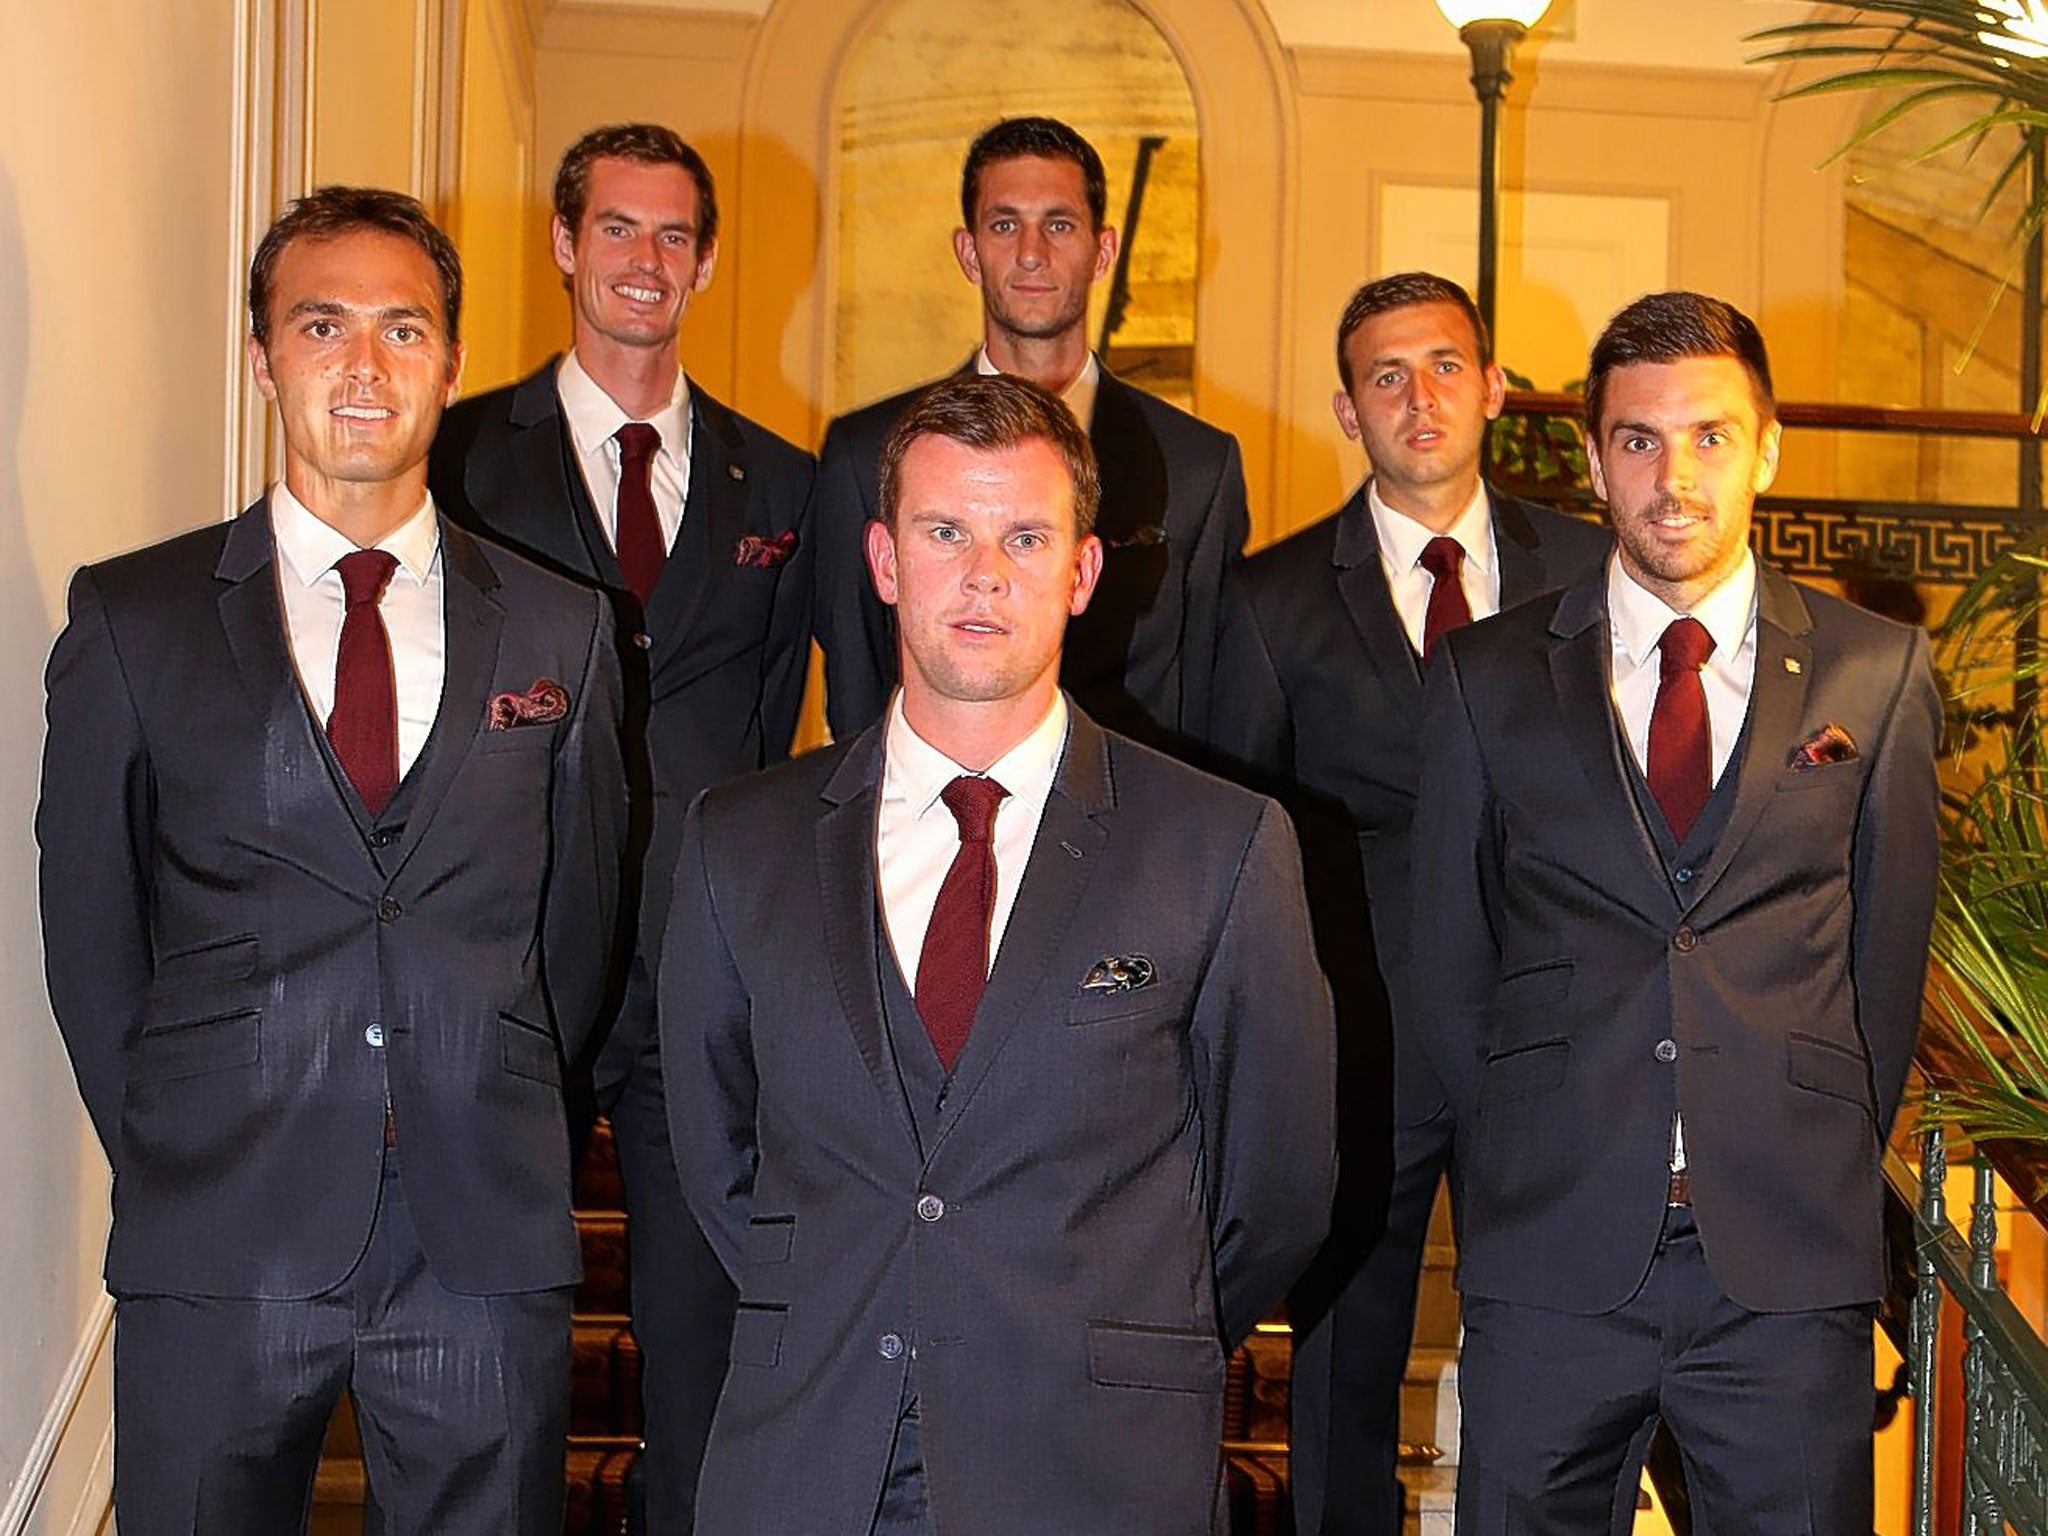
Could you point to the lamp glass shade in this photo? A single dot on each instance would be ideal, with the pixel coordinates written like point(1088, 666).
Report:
point(1462, 13)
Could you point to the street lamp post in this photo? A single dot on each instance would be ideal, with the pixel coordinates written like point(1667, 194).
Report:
point(1490, 29)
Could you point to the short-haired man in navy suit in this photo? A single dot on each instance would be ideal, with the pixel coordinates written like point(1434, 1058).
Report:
point(999, 1063)
point(1675, 862)
point(1034, 238)
point(612, 466)
point(1322, 696)
point(330, 827)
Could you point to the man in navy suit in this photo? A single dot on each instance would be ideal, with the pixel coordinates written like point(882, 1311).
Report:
point(1000, 1067)
point(1322, 698)
point(1034, 238)
point(612, 466)
point(1675, 862)
point(330, 834)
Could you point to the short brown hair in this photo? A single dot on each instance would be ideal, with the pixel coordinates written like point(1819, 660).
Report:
point(327, 213)
point(1398, 290)
point(646, 144)
point(1667, 327)
point(1043, 138)
point(992, 412)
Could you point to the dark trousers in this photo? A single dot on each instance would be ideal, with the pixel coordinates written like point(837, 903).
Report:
point(1771, 1411)
point(463, 1401)
point(682, 1301)
point(1351, 1349)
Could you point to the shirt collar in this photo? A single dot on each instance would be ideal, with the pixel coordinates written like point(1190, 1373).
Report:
point(1078, 396)
point(915, 772)
point(1402, 538)
point(1639, 617)
point(595, 417)
point(311, 547)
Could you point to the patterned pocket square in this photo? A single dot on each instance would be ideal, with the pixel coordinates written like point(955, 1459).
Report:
point(543, 704)
point(1119, 973)
point(764, 553)
point(1829, 744)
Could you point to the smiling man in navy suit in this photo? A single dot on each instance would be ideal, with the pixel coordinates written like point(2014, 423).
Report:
point(330, 835)
point(1675, 863)
point(1000, 1067)
point(612, 466)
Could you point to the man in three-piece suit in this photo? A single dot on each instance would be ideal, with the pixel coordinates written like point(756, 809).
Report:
point(330, 838)
point(610, 465)
point(995, 1227)
point(1142, 658)
point(1674, 872)
point(1322, 673)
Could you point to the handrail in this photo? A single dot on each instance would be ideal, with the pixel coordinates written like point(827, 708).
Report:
point(2005, 1364)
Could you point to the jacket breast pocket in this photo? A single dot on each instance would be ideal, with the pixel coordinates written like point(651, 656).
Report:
point(1822, 776)
point(529, 1051)
point(757, 1335)
point(1106, 1007)
point(516, 738)
point(220, 960)
point(1154, 1359)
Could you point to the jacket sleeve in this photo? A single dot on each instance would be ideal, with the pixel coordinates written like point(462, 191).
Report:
point(786, 653)
point(851, 624)
point(1251, 728)
point(94, 833)
point(708, 1054)
point(581, 930)
point(1893, 878)
point(1265, 1069)
point(1453, 964)
point(1212, 571)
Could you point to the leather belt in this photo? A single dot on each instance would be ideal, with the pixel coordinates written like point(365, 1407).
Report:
point(391, 1131)
point(1680, 1189)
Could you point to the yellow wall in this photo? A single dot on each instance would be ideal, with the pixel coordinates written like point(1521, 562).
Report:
point(490, 210)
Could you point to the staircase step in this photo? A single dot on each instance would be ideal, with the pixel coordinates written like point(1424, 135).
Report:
point(1429, 1401)
point(1432, 1500)
point(604, 1287)
point(604, 1385)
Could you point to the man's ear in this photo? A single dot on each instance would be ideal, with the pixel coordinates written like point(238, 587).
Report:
point(881, 553)
point(1766, 459)
point(456, 357)
point(1496, 391)
point(562, 241)
point(259, 364)
point(1087, 571)
point(967, 256)
point(1105, 251)
point(1347, 413)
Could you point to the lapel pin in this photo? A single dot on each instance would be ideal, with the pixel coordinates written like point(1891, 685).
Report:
point(1792, 665)
point(1072, 851)
point(737, 471)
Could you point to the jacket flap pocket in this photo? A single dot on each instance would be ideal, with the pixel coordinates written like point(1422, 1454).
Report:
point(205, 964)
point(1523, 1073)
point(529, 1050)
point(193, 1046)
point(1825, 1067)
point(1162, 1359)
point(769, 1238)
point(757, 1335)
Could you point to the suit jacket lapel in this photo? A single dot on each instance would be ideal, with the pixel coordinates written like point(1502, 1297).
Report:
point(1134, 488)
point(1777, 701)
point(1520, 552)
point(550, 511)
point(1362, 583)
point(1062, 863)
point(848, 899)
point(1585, 712)
point(714, 517)
point(472, 622)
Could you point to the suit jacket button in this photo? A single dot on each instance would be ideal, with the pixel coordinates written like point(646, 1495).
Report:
point(1667, 1050)
point(388, 909)
point(890, 1346)
point(1682, 874)
point(1685, 941)
point(643, 641)
point(930, 1207)
point(374, 1035)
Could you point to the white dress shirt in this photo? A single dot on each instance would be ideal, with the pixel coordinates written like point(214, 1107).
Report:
point(916, 836)
point(594, 422)
point(1402, 541)
point(1636, 620)
point(1078, 396)
point(309, 588)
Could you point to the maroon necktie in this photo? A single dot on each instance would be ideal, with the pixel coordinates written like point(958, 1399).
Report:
point(641, 548)
point(363, 728)
point(952, 968)
point(1681, 767)
point(1442, 557)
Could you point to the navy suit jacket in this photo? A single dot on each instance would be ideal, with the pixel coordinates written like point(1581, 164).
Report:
point(1173, 523)
point(715, 666)
point(1116, 1188)
point(247, 966)
point(1578, 990)
point(1322, 701)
